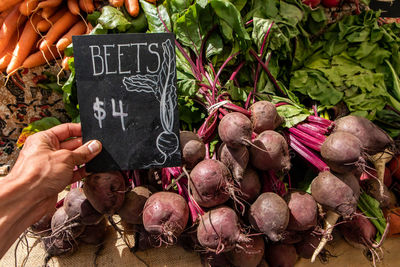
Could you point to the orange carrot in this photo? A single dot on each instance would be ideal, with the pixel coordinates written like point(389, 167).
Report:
point(45, 25)
point(9, 27)
point(152, 1)
point(41, 57)
point(74, 7)
point(78, 29)
point(28, 6)
point(47, 12)
point(25, 44)
point(132, 6)
point(3, 16)
point(49, 3)
point(116, 3)
point(6, 55)
point(86, 5)
point(60, 27)
point(64, 63)
point(6, 4)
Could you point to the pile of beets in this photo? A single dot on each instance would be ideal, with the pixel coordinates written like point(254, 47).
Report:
point(232, 199)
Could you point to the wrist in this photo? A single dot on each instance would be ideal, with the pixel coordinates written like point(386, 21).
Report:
point(18, 193)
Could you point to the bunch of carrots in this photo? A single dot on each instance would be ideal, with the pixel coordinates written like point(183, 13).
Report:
point(34, 32)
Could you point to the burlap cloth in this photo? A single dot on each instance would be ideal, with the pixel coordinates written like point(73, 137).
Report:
point(116, 253)
point(19, 106)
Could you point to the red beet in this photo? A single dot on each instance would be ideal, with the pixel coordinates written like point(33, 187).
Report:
point(303, 211)
point(342, 151)
point(358, 232)
point(280, 255)
point(264, 116)
point(61, 225)
point(56, 246)
point(277, 156)
point(77, 206)
point(249, 254)
point(209, 182)
point(219, 230)
point(250, 186)
point(305, 248)
point(165, 214)
point(235, 130)
point(94, 234)
point(43, 226)
point(235, 159)
point(269, 214)
point(193, 149)
point(334, 194)
point(373, 138)
point(105, 191)
point(131, 210)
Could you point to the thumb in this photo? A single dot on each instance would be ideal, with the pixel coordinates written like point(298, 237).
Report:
point(86, 152)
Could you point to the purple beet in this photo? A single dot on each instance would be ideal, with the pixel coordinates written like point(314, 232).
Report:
point(269, 214)
point(219, 230)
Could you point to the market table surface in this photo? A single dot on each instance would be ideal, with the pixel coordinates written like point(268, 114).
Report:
point(116, 253)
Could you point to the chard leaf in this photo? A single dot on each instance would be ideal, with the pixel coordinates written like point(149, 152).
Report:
point(192, 26)
point(214, 45)
point(236, 93)
point(228, 13)
point(154, 14)
point(111, 18)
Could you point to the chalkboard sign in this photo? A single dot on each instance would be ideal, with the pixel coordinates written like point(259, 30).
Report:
point(127, 99)
point(389, 8)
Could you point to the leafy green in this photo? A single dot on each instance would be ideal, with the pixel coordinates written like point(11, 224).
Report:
point(111, 18)
point(236, 93)
point(70, 97)
point(156, 16)
point(370, 207)
point(353, 62)
point(36, 126)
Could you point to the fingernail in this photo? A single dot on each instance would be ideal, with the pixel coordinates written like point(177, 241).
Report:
point(94, 146)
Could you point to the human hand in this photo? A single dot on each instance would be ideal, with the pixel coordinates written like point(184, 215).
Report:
point(45, 166)
point(48, 159)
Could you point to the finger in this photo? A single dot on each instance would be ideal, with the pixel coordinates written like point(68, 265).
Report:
point(79, 174)
point(66, 130)
point(71, 144)
point(87, 152)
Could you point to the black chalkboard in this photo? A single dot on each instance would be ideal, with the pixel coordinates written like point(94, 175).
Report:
point(127, 99)
point(389, 8)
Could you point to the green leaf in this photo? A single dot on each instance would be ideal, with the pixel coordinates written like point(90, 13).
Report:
point(214, 45)
point(111, 18)
point(236, 93)
point(70, 97)
point(370, 207)
point(260, 28)
point(292, 115)
point(192, 26)
point(188, 111)
point(316, 86)
point(291, 13)
point(139, 23)
point(36, 126)
point(153, 14)
point(239, 4)
point(98, 29)
point(228, 13)
point(177, 6)
point(93, 17)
